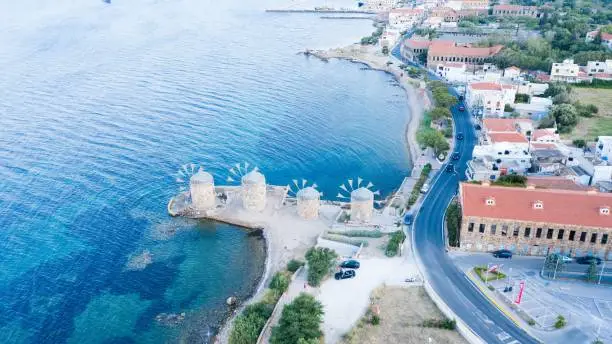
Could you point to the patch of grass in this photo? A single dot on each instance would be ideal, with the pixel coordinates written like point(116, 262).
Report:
point(345, 239)
point(359, 233)
point(481, 271)
point(599, 125)
point(397, 238)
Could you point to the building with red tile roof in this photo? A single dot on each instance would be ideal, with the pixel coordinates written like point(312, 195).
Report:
point(449, 51)
point(554, 182)
point(507, 137)
point(507, 125)
point(535, 221)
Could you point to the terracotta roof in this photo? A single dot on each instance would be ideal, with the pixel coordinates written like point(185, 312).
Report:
point(417, 44)
point(507, 137)
point(514, 67)
point(449, 48)
point(540, 145)
point(513, 7)
point(542, 132)
point(485, 86)
point(603, 76)
point(558, 183)
point(564, 207)
point(503, 124)
point(606, 36)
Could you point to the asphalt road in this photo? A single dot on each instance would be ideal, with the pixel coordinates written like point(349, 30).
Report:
point(447, 280)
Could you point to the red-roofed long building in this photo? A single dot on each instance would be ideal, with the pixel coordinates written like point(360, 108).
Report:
point(515, 11)
point(535, 221)
point(449, 51)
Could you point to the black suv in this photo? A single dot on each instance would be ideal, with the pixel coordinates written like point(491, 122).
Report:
point(344, 274)
point(350, 264)
point(588, 260)
point(502, 254)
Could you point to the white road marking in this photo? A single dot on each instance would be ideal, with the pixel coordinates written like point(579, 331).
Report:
point(514, 342)
point(503, 336)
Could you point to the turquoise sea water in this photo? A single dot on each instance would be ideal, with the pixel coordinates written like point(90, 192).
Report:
point(99, 107)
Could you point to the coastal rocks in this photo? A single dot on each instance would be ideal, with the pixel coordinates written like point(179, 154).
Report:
point(170, 319)
point(139, 262)
point(231, 301)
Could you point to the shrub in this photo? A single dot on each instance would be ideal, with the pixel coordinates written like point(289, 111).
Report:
point(511, 180)
point(446, 324)
point(397, 238)
point(560, 323)
point(453, 222)
point(345, 239)
point(320, 260)
point(294, 265)
point(300, 321)
point(375, 320)
point(359, 233)
point(580, 143)
point(248, 325)
point(531, 322)
point(491, 288)
point(416, 190)
point(508, 108)
point(481, 271)
point(280, 282)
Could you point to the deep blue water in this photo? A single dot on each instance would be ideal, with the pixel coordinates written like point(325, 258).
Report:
point(101, 104)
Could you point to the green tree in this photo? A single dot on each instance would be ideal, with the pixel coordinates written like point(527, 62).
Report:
point(320, 261)
point(580, 143)
point(443, 99)
point(300, 320)
point(385, 50)
point(592, 272)
point(453, 222)
point(248, 325)
point(553, 265)
point(566, 117)
point(511, 180)
point(280, 282)
point(439, 113)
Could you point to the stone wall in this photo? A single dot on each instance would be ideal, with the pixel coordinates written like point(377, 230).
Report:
point(522, 238)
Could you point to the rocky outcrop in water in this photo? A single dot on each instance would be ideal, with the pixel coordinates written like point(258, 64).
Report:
point(170, 319)
point(139, 262)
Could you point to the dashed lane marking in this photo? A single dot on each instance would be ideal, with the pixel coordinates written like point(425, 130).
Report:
point(503, 336)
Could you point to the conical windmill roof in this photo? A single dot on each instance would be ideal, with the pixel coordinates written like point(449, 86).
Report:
point(201, 177)
point(308, 194)
point(362, 194)
point(253, 177)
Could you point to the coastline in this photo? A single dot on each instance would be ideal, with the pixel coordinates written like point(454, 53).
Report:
point(414, 88)
point(417, 101)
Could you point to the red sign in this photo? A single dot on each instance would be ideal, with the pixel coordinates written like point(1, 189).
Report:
point(520, 294)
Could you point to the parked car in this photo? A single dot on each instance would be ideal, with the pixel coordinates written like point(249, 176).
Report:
point(350, 264)
point(477, 127)
point(460, 136)
point(588, 260)
point(461, 97)
point(502, 254)
point(425, 188)
point(566, 259)
point(450, 168)
point(461, 108)
point(456, 156)
point(344, 274)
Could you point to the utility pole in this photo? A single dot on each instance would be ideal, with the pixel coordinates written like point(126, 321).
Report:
point(556, 266)
point(602, 271)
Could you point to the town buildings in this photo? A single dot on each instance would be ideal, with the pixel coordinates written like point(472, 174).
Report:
point(449, 51)
point(606, 38)
point(535, 221)
point(515, 11)
point(405, 18)
point(490, 97)
point(566, 71)
point(453, 72)
point(603, 148)
point(381, 5)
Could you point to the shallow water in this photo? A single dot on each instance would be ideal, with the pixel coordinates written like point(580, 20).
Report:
point(101, 104)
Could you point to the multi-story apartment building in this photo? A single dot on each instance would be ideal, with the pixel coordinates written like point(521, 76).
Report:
point(449, 51)
point(535, 221)
point(405, 18)
point(491, 97)
point(381, 5)
point(515, 11)
point(566, 71)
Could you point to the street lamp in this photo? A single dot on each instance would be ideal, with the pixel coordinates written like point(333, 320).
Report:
point(602, 271)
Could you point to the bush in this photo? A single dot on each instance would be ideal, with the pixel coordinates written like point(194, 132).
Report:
point(531, 322)
point(508, 108)
point(248, 325)
point(375, 320)
point(397, 238)
point(320, 261)
point(445, 324)
point(521, 98)
point(560, 323)
point(491, 288)
point(280, 282)
point(481, 271)
point(345, 239)
point(416, 190)
point(453, 222)
point(580, 143)
point(294, 265)
point(300, 321)
point(511, 180)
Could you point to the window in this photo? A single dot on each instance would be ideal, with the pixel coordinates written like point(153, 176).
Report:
point(549, 234)
point(572, 235)
point(527, 232)
point(493, 229)
point(560, 234)
point(516, 231)
point(604, 239)
point(538, 205)
point(481, 228)
point(539, 233)
point(593, 237)
point(583, 236)
point(504, 230)
point(471, 227)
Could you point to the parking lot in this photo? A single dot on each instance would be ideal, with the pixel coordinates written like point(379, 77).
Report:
point(587, 307)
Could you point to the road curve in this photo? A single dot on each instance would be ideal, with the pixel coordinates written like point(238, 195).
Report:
point(446, 279)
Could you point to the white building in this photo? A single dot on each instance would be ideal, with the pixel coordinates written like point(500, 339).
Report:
point(490, 97)
point(405, 18)
point(454, 72)
point(308, 203)
point(548, 135)
point(603, 148)
point(389, 38)
point(362, 205)
point(254, 191)
point(381, 5)
point(567, 71)
point(532, 88)
point(601, 173)
point(512, 72)
point(202, 191)
point(606, 38)
point(596, 67)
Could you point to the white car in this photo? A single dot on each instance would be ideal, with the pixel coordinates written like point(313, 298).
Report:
point(566, 259)
point(425, 188)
